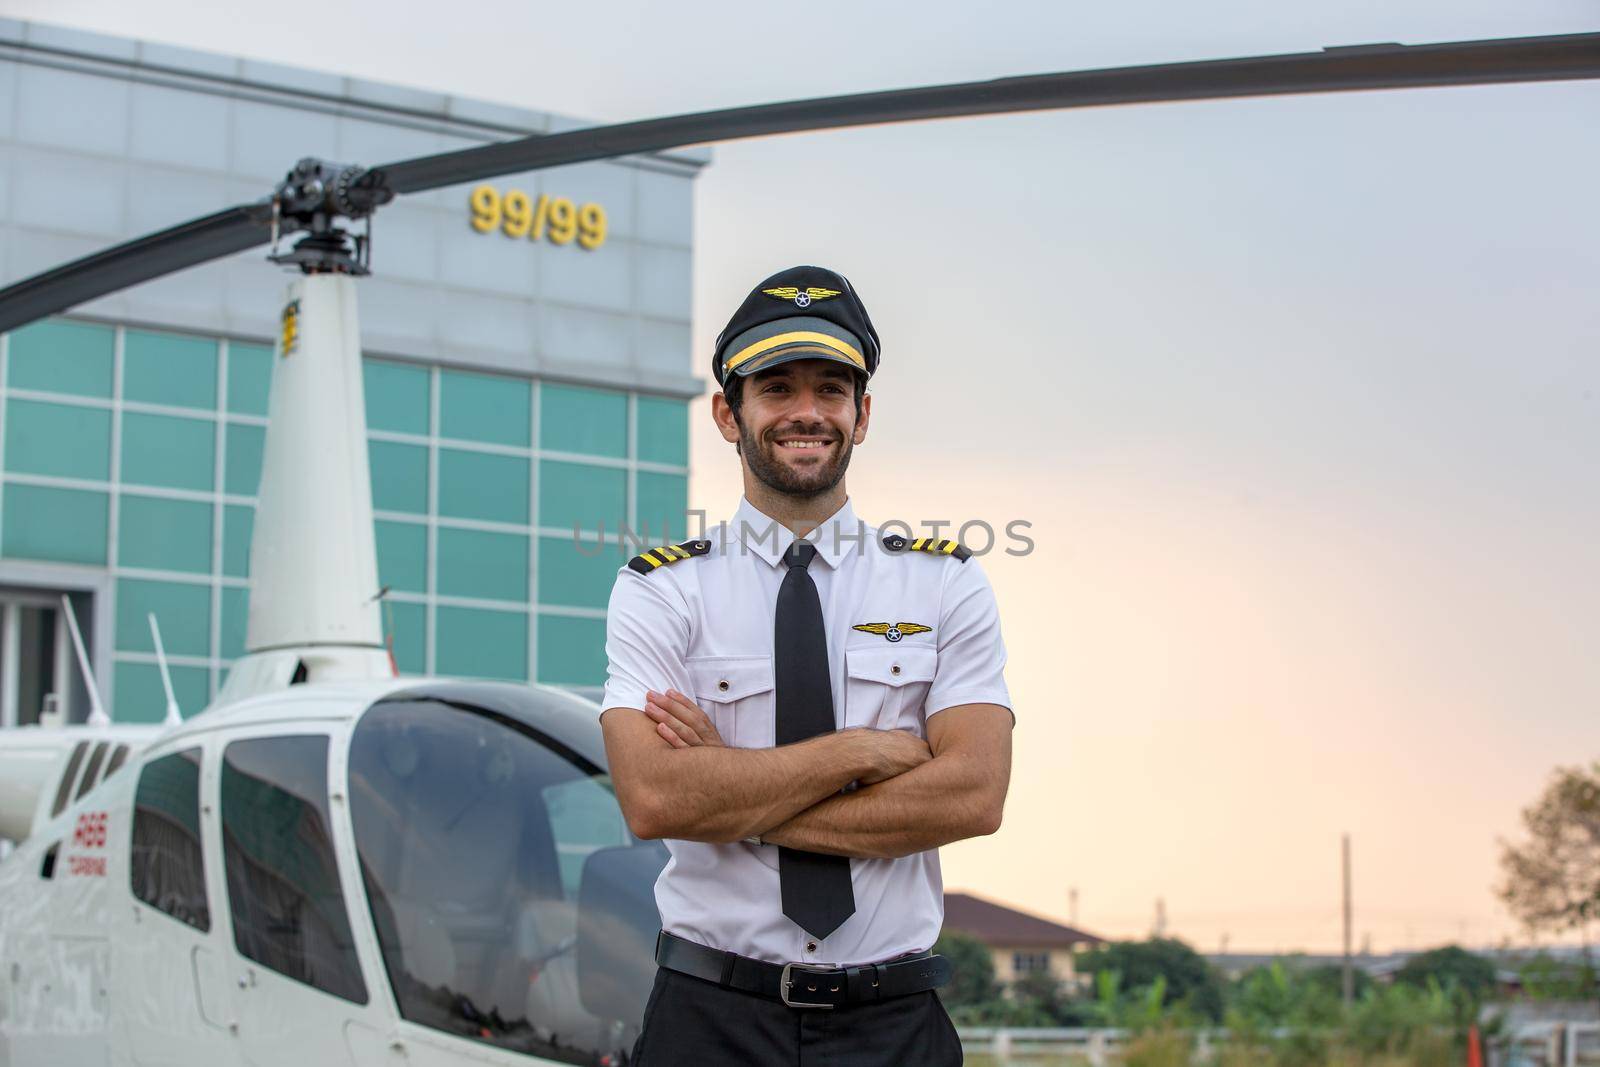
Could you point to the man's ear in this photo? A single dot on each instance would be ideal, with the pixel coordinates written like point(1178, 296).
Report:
point(727, 425)
point(866, 416)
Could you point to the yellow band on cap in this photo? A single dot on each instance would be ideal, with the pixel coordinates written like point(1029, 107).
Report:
point(833, 344)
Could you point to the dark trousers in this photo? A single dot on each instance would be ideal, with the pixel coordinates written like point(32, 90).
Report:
point(694, 1023)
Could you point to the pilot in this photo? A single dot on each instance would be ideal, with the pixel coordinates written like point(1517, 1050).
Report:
point(805, 708)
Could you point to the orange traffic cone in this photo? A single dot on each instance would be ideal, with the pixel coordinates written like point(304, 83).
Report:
point(1474, 1048)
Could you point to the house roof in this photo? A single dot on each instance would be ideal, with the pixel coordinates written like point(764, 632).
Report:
point(997, 925)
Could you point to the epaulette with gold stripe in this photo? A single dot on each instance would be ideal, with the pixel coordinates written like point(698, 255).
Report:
point(645, 562)
point(938, 546)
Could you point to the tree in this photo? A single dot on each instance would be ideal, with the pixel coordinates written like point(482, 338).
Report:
point(1188, 978)
point(1552, 880)
point(972, 970)
point(1452, 967)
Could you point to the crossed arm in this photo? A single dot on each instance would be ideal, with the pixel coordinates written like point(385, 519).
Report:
point(676, 778)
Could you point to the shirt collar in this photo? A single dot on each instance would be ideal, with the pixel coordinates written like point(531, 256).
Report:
point(769, 539)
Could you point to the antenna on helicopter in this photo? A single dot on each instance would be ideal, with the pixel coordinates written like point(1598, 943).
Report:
point(97, 711)
point(173, 717)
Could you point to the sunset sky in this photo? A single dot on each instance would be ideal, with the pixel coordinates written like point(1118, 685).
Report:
point(1299, 396)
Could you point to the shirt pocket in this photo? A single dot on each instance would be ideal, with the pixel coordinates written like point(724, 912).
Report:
point(888, 685)
point(737, 693)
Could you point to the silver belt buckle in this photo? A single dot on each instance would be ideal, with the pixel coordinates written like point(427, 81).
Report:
point(786, 982)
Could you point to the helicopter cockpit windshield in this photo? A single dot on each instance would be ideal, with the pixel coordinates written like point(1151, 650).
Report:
point(473, 832)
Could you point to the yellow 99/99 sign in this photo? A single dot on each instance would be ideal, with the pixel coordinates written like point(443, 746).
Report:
point(556, 218)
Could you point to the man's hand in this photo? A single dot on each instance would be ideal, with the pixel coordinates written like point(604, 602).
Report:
point(681, 722)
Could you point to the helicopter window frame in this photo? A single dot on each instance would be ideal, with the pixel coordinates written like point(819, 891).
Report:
point(166, 855)
point(69, 778)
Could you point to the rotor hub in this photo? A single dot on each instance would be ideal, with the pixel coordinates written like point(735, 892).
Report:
point(315, 196)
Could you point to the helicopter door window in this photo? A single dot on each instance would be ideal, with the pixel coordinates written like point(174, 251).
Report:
point(91, 773)
point(117, 758)
point(283, 883)
point(471, 833)
point(68, 777)
point(166, 865)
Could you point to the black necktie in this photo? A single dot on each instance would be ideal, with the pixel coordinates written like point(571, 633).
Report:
point(816, 888)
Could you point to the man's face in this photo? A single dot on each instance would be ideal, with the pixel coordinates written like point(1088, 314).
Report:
point(797, 425)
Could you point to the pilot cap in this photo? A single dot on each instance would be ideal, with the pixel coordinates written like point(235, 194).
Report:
point(799, 313)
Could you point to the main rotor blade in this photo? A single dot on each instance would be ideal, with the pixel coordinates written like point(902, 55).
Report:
point(151, 256)
point(1388, 66)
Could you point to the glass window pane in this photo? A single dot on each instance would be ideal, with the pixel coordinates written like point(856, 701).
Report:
point(137, 694)
point(166, 368)
point(575, 419)
point(166, 864)
point(459, 818)
point(663, 430)
point(161, 450)
point(477, 485)
point(405, 625)
point(283, 883)
point(62, 357)
point(402, 555)
point(399, 476)
point(238, 523)
point(576, 496)
point(483, 407)
point(235, 616)
point(662, 508)
point(572, 651)
point(475, 643)
point(241, 473)
point(477, 563)
point(397, 396)
point(165, 535)
point(577, 573)
point(60, 524)
point(249, 378)
point(60, 440)
point(182, 611)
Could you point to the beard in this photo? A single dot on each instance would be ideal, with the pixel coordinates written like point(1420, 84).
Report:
point(775, 474)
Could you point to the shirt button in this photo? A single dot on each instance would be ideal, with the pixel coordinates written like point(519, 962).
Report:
point(895, 669)
point(723, 685)
point(811, 946)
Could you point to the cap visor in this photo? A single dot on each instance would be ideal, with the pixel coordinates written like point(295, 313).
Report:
point(789, 354)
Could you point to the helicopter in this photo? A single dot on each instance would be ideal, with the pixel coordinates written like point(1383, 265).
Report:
point(331, 863)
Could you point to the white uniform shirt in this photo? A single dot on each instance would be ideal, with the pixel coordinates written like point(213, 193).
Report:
point(704, 626)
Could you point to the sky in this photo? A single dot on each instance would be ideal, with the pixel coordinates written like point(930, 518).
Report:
point(1298, 395)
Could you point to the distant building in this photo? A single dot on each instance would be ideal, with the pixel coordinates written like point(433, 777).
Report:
point(1020, 943)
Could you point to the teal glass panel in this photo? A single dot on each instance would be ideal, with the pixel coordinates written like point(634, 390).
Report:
point(578, 496)
point(662, 506)
point(402, 555)
point(249, 378)
point(241, 472)
point(137, 694)
point(477, 563)
point(182, 611)
point(399, 476)
point(63, 357)
point(61, 440)
point(577, 574)
point(477, 485)
point(68, 525)
point(484, 407)
point(238, 523)
point(474, 643)
point(166, 368)
point(235, 621)
point(166, 535)
point(163, 450)
point(663, 430)
point(405, 624)
point(397, 396)
point(575, 419)
point(572, 651)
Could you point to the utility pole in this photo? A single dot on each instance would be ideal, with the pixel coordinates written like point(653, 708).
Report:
point(1072, 906)
point(1161, 918)
point(1349, 975)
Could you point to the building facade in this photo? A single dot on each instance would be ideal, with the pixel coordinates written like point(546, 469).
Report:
point(1019, 944)
point(526, 360)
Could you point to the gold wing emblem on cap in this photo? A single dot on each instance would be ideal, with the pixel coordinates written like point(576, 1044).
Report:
point(802, 297)
point(893, 631)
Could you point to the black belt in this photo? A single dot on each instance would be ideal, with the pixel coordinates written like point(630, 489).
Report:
point(801, 985)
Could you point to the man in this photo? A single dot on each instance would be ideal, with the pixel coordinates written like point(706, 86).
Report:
point(805, 711)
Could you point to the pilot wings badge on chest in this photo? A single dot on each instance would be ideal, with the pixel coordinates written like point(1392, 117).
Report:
point(894, 631)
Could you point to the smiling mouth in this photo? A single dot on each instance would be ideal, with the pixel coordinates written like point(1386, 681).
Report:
point(803, 444)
